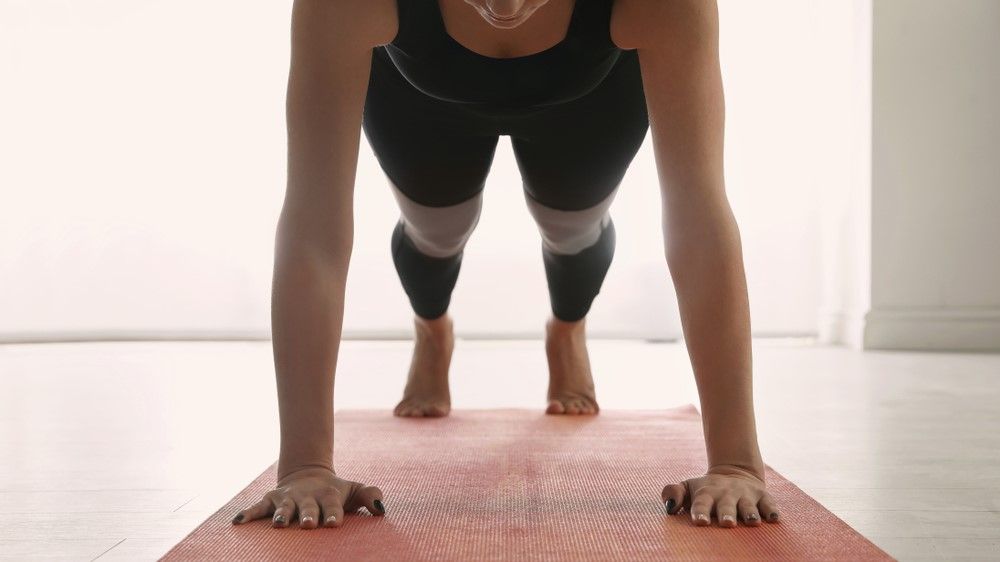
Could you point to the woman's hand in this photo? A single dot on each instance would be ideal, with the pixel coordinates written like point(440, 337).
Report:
point(730, 490)
point(306, 492)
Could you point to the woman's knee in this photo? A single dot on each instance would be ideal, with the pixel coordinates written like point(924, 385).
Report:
point(570, 232)
point(439, 231)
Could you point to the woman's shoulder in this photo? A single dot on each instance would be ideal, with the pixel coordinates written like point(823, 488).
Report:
point(386, 16)
point(639, 23)
point(373, 22)
point(625, 26)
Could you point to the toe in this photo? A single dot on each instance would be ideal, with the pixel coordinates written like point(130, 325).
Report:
point(555, 407)
point(399, 409)
point(408, 410)
point(436, 410)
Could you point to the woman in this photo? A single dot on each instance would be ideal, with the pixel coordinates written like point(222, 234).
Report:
point(575, 84)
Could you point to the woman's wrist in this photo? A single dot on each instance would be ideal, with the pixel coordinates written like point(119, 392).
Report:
point(304, 471)
point(306, 447)
point(754, 469)
point(288, 466)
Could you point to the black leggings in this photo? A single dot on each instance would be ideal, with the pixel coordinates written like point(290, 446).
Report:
point(571, 157)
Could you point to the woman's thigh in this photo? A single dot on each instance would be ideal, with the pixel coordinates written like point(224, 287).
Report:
point(573, 156)
point(433, 152)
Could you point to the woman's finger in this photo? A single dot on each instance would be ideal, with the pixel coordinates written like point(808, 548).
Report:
point(748, 512)
point(333, 510)
point(283, 512)
point(260, 509)
point(725, 510)
point(768, 509)
point(308, 513)
point(371, 498)
point(701, 509)
point(673, 497)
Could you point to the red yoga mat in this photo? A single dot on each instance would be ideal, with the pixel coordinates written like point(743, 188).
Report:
point(517, 484)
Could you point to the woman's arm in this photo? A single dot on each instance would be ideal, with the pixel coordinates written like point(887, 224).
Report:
point(327, 85)
point(678, 50)
point(331, 54)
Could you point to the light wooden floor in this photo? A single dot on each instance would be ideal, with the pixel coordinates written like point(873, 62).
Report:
point(115, 451)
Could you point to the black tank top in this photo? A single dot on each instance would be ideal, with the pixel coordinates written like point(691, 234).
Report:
point(437, 65)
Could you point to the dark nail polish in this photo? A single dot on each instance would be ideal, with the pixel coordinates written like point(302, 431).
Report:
point(773, 517)
point(238, 518)
point(752, 517)
point(280, 519)
point(670, 504)
point(379, 506)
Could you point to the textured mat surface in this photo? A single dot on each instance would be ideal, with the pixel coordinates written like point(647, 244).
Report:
point(521, 485)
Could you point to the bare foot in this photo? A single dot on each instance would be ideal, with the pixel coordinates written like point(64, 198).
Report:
point(571, 387)
point(426, 393)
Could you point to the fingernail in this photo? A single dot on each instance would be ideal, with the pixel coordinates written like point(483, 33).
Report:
point(379, 506)
point(728, 518)
point(238, 518)
point(280, 519)
point(773, 516)
point(670, 504)
point(306, 519)
point(752, 517)
point(331, 519)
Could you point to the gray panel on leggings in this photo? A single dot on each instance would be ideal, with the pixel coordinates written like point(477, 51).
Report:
point(443, 231)
point(440, 232)
point(570, 232)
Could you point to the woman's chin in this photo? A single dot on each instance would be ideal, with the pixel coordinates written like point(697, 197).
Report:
point(507, 23)
point(504, 23)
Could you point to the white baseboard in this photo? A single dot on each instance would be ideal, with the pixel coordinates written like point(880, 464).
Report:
point(839, 327)
point(933, 329)
point(125, 335)
point(97, 335)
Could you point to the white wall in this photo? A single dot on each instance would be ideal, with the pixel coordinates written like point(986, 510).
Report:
point(935, 280)
point(846, 215)
point(142, 169)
